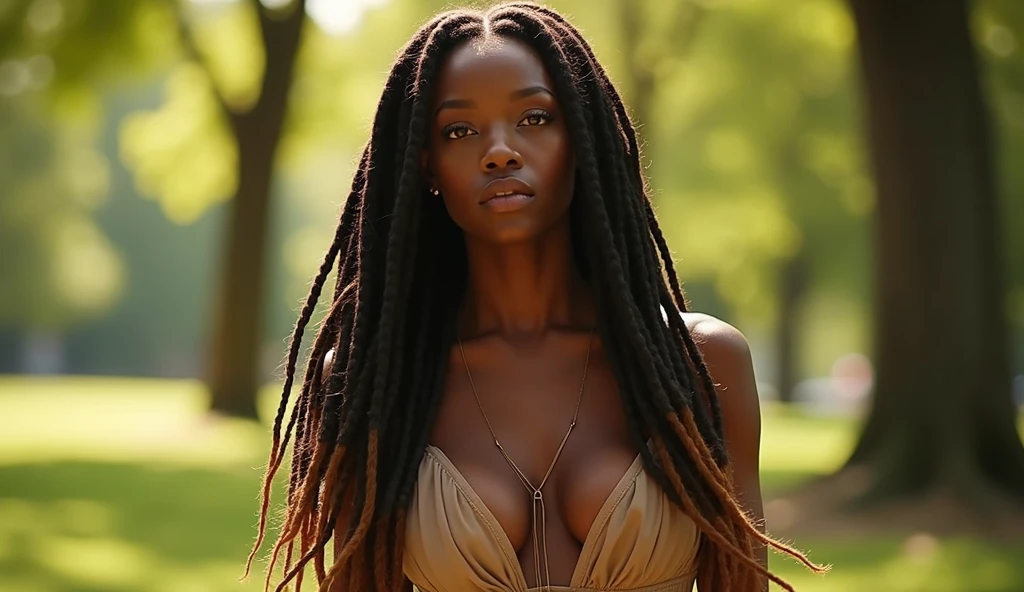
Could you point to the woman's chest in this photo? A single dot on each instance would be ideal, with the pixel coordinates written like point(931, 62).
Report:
point(529, 410)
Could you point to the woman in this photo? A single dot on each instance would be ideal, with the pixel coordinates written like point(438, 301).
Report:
point(507, 391)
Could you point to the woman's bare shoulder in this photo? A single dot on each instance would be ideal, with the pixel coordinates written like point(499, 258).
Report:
point(726, 354)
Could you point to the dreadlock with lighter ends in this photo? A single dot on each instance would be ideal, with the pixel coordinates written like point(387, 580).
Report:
point(381, 383)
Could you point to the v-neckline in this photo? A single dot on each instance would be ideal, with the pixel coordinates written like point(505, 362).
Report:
point(610, 502)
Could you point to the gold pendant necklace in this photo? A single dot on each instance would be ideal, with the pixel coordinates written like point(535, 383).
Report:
point(538, 514)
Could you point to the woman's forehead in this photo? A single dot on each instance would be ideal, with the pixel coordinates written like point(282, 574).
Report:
point(493, 63)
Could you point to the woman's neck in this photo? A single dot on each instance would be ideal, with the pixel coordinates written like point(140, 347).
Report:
point(521, 290)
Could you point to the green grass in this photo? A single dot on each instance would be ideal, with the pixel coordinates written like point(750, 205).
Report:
point(126, 485)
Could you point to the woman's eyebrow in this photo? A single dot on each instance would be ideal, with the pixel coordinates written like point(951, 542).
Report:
point(514, 95)
point(455, 104)
point(529, 91)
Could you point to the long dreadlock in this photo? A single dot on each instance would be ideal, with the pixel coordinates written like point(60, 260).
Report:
point(356, 451)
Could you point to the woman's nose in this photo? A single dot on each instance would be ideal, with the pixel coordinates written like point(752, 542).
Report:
point(500, 155)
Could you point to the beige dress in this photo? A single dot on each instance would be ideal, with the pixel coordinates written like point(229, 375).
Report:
point(639, 542)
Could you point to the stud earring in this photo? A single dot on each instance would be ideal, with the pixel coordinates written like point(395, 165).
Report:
point(435, 192)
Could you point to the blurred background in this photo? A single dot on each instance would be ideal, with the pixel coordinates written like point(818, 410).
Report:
point(842, 181)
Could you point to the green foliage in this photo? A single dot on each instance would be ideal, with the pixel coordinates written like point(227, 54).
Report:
point(87, 42)
point(758, 158)
point(58, 267)
point(228, 39)
point(181, 153)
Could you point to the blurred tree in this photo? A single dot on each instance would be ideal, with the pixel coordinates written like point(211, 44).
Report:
point(218, 134)
point(943, 418)
point(87, 41)
point(233, 371)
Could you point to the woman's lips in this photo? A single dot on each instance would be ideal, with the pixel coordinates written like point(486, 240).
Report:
point(506, 192)
point(508, 203)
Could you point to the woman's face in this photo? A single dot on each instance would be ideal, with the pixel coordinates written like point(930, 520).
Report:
point(499, 152)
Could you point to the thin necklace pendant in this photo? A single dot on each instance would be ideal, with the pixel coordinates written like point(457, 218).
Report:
point(540, 541)
point(539, 514)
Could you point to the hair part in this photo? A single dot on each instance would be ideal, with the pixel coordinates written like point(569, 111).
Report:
point(359, 430)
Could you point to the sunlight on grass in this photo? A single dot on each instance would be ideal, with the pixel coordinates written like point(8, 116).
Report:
point(120, 420)
point(125, 484)
point(88, 560)
point(128, 485)
point(897, 565)
point(794, 446)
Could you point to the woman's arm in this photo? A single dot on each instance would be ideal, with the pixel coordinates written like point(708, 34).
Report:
point(727, 356)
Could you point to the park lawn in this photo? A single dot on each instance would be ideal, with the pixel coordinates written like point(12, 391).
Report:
point(125, 484)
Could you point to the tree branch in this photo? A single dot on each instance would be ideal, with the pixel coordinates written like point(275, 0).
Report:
point(280, 31)
point(191, 49)
point(272, 21)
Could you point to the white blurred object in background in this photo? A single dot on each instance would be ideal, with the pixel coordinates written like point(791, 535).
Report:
point(844, 391)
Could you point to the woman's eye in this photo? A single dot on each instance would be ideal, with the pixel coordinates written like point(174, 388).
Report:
point(536, 118)
point(457, 131)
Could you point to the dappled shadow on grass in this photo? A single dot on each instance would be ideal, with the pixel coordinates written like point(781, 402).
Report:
point(78, 525)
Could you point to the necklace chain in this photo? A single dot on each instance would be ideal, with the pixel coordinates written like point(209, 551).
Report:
point(538, 517)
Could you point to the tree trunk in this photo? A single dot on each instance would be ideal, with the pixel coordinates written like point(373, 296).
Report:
point(235, 354)
point(792, 281)
point(233, 375)
point(943, 418)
